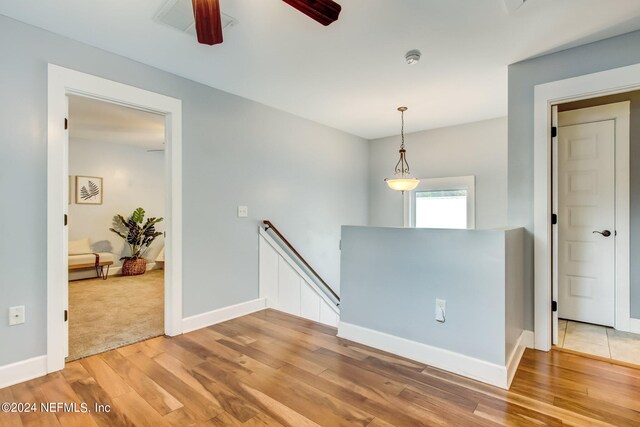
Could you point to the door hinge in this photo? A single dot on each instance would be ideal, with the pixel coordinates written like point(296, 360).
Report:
point(554, 219)
point(554, 306)
point(66, 315)
point(66, 124)
point(65, 219)
point(554, 131)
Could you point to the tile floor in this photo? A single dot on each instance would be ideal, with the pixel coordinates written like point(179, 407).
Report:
point(599, 341)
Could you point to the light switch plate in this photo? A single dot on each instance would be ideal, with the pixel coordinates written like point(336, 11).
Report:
point(441, 310)
point(16, 315)
point(243, 211)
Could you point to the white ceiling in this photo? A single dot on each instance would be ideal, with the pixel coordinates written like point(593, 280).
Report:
point(350, 75)
point(93, 120)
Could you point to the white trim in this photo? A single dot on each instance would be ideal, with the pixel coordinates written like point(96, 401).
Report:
point(554, 230)
point(513, 361)
point(447, 183)
point(634, 325)
point(23, 370)
point(623, 219)
point(298, 270)
point(209, 318)
point(527, 339)
point(587, 86)
point(63, 82)
point(456, 363)
point(113, 271)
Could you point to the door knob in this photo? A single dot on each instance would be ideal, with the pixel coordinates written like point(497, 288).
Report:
point(605, 233)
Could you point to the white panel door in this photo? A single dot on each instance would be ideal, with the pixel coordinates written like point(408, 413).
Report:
point(586, 222)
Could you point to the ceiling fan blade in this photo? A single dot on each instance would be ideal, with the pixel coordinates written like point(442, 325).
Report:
point(208, 22)
point(323, 11)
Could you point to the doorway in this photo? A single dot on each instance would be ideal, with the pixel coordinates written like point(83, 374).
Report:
point(591, 238)
point(116, 167)
point(546, 95)
point(63, 83)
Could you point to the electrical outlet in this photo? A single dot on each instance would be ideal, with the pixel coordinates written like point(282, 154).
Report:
point(243, 211)
point(16, 315)
point(441, 310)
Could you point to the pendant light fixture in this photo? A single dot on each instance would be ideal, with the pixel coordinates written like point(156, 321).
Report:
point(401, 180)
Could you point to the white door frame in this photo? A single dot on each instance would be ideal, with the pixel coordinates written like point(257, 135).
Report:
point(608, 82)
point(64, 82)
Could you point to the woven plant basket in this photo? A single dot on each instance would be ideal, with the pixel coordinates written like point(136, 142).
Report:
point(134, 267)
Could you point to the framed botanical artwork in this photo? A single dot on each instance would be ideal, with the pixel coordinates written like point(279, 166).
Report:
point(88, 190)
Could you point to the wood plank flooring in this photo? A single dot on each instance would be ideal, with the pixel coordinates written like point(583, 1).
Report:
point(270, 368)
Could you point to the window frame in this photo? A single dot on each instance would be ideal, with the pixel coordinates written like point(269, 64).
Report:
point(449, 183)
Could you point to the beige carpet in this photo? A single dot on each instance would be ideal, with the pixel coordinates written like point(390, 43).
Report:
point(106, 314)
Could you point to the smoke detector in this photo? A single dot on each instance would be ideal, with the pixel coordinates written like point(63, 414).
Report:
point(178, 14)
point(412, 57)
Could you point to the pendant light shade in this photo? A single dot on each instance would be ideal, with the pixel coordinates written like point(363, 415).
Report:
point(402, 184)
point(401, 180)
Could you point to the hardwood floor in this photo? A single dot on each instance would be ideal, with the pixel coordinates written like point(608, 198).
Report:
point(270, 368)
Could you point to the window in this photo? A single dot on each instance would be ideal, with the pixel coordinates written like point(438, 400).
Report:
point(441, 203)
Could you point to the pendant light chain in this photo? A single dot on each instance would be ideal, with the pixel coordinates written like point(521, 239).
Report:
point(402, 129)
point(401, 180)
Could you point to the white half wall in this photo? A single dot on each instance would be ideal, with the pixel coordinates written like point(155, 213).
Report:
point(470, 367)
point(478, 149)
point(392, 278)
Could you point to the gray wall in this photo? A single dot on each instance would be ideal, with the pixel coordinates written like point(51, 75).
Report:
point(131, 178)
point(634, 159)
point(478, 149)
point(286, 169)
point(523, 76)
point(400, 272)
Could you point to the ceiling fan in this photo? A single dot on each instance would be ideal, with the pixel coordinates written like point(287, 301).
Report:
point(209, 24)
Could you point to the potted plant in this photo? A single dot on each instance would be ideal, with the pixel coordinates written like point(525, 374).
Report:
point(139, 235)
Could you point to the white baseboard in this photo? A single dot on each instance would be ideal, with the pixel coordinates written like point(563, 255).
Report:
point(114, 271)
point(90, 272)
point(222, 315)
point(527, 339)
point(634, 326)
point(21, 371)
point(35, 367)
point(447, 360)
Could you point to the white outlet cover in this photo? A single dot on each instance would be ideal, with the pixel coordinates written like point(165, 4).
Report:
point(16, 315)
point(243, 211)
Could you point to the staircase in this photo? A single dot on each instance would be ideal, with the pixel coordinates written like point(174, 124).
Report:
point(288, 283)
